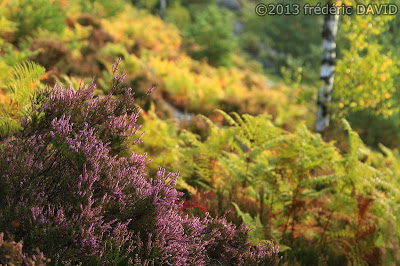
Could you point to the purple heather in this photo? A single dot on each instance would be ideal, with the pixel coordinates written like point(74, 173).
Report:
point(63, 177)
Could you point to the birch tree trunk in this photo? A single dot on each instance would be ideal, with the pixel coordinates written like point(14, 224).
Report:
point(327, 70)
point(163, 5)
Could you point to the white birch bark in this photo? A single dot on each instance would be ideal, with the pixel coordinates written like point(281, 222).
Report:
point(163, 6)
point(327, 70)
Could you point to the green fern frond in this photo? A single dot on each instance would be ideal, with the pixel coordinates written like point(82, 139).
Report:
point(22, 83)
point(389, 154)
point(7, 125)
point(239, 119)
point(354, 139)
point(321, 180)
point(23, 80)
point(5, 24)
point(190, 138)
point(230, 120)
point(278, 141)
point(208, 121)
point(258, 232)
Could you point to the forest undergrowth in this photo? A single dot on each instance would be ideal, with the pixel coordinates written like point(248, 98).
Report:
point(95, 168)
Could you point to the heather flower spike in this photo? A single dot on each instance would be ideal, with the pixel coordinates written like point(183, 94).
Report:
point(115, 66)
point(150, 90)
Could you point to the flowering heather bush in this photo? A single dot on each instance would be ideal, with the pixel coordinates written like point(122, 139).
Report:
point(68, 188)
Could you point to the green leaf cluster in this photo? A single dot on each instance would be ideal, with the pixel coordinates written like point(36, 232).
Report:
point(212, 36)
point(22, 84)
point(32, 15)
point(303, 189)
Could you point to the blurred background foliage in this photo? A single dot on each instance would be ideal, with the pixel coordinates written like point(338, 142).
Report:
point(310, 194)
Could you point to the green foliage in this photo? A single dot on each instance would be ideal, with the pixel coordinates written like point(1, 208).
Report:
point(286, 41)
point(101, 8)
point(212, 31)
point(390, 38)
point(257, 233)
point(251, 43)
point(301, 188)
point(32, 15)
point(6, 25)
point(325, 204)
point(165, 142)
point(22, 83)
point(199, 2)
point(201, 158)
point(380, 130)
point(9, 56)
point(21, 79)
point(178, 15)
point(148, 4)
point(365, 77)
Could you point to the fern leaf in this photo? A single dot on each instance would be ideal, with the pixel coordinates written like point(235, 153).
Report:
point(23, 80)
point(208, 121)
point(257, 232)
point(231, 121)
point(354, 140)
point(7, 125)
point(320, 180)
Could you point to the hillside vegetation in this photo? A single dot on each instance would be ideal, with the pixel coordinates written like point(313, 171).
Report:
point(128, 139)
